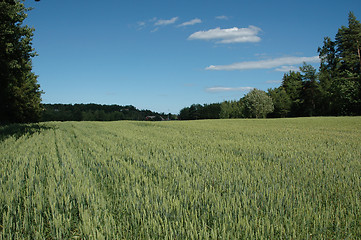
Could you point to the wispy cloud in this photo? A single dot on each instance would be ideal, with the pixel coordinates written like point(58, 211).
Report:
point(273, 81)
point(222, 17)
point(141, 25)
point(191, 22)
point(287, 69)
point(265, 64)
point(228, 89)
point(163, 22)
point(228, 35)
point(155, 29)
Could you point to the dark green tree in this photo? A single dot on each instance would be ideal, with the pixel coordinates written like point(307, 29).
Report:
point(184, 114)
point(340, 70)
point(346, 99)
point(210, 111)
point(232, 109)
point(281, 101)
point(292, 84)
point(195, 111)
point(310, 92)
point(328, 72)
point(347, 88)
point(20, 94)
point(348, 41)
point(226, 109)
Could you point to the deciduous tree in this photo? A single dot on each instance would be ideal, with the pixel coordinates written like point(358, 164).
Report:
point(258, 104)
point(20, 94)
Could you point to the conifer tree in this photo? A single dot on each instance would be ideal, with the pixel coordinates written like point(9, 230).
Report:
point(348, 41)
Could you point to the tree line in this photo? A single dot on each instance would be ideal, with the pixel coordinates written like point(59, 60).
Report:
point(333, 90)
point(97, 112)
point(256, 104)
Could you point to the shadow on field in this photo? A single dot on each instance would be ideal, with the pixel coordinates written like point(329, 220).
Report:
point(18, 130)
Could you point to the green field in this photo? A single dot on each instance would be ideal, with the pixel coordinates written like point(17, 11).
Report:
point(211, 179)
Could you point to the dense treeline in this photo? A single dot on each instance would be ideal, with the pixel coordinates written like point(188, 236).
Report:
point(255, 104)
point(97, 112)
point(198, 111)
point(334, 90)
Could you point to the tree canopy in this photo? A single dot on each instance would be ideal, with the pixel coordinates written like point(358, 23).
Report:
point(20, 94)
point(258, 104)
point(97, 112)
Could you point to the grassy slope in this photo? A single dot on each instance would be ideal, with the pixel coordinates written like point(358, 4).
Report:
point(232, 179)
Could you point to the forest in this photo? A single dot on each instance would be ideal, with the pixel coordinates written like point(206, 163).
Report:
point(97, 112)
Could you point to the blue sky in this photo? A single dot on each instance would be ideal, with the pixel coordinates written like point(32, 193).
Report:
point(164, 55)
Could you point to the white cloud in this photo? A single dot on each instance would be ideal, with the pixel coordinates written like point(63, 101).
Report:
point(265, 64)
point(229, 35)
point(287, 69)
point(163, 22)
point(228, 89)
point(191, 22)
point(222, 17)
point(273, 81)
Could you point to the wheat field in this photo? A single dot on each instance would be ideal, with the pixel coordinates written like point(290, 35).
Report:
point(211, 179)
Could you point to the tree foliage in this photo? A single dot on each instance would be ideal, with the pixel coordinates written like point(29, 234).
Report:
point(232, 109)
point(348, 42)
point(281, 101)
point(258, 104)
point(340, 70)
point(309, 91)
point(20, 94)
point(198, 111)
point(336, 88)
point(97, 112)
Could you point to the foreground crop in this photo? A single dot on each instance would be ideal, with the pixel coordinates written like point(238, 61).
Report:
point(219, 179)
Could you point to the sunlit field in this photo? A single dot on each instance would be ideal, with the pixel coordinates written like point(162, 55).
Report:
point(212, 179)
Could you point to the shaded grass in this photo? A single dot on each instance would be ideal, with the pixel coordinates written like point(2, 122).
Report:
point(18, 130)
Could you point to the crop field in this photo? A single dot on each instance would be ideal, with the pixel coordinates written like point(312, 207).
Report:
point(211, 179)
